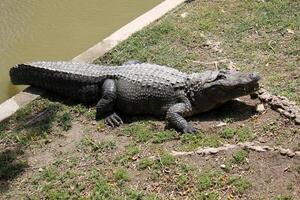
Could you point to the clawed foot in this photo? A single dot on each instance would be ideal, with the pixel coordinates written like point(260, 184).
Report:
point(189, 129)
point(113, 120)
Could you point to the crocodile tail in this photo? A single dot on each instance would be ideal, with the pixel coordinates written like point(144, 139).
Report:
point(45, 75)
point(19, 75)
point(25, 74)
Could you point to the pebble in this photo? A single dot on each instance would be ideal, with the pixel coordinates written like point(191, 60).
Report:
point(290, 154)
point(260, 108)
point(183, 15)
point(221, 124)
point(290, 31)
point(209, 151)
point(283, 151)
point(297, 120)
point(265, 97)
point(287, 152)
point(262, 140)
point(214, 151)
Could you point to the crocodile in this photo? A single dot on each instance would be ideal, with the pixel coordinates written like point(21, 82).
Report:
point(138, 88)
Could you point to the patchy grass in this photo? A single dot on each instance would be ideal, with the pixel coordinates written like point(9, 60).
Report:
point(238, 134)
point(140, 131)
point(10, 166)
point(121, 176)
point(210, 180)
point(144, 132)
point(65, 121)
point(36, 121)
point(164, 136)
point(228, 133)
point(245, 134)
point(101, 146)
point(145, 163)
point(240, 184)
point(165, 160)
point(240, 156)
point(191, 142)
point(129, 156)
point(283, 197)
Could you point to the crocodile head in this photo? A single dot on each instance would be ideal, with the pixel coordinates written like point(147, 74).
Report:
point(221, 86)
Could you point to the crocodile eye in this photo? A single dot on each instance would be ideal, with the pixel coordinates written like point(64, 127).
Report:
point(221, 76)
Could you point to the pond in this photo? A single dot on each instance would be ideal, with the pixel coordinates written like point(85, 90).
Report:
point(57, 30)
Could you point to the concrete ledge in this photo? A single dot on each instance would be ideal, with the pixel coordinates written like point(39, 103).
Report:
point(13, 104)
point(21, 99)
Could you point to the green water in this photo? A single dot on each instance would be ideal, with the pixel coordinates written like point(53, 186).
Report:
point(57, 29)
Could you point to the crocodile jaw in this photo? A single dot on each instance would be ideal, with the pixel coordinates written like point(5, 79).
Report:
point(227, 85)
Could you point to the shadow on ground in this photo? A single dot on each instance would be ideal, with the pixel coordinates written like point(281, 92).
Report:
point(12, 164)
point(233, 110)
point(16, 133)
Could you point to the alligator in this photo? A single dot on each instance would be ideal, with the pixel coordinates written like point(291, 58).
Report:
point(138, 88)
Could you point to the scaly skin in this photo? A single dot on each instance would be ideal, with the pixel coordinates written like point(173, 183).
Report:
point(138, 88)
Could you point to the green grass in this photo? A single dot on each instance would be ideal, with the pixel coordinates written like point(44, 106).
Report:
point(209, 180)
point(164, 136)
point(65, 121)
point(49, 174)
point(228, 133)
point(103, 190)
point(145, 44)
point(239, 134)
point(66, 182)
point(240, 157)
point(191, 142)
point(38, 121)
point(145, 163)
point(81, 110)
point(121, 175)
point(140, 131)
point(182, 180)
point(128, 156)
point(283, 197)
point(239, 184)
point(245, 134)
point(165, 160)
point(100, 146)
point(143, 132)
point(205, 180)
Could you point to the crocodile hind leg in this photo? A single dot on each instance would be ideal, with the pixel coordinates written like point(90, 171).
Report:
point(105, 105)
point(175, 118)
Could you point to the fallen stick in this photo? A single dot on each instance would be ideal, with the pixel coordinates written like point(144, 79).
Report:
point(246, 145)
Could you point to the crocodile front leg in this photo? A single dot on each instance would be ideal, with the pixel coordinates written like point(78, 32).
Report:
point(175, 115)
point(105, 106)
